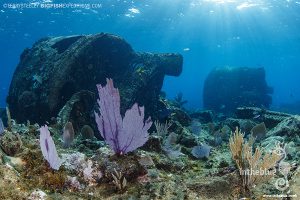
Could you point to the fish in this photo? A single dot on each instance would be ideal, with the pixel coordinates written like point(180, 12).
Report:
point(256, 116)
point(37, 78)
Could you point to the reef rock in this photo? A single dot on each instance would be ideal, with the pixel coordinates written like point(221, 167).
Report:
point(227, 88)
point(78, 111)
point(11, 143)
point(56, 68)
point(245, 125)
point(289, 127)
point(270, 118)
point(205, 116)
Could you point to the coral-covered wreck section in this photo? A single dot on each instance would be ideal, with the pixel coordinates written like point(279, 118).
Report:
point(56, 69)
point(227, 88)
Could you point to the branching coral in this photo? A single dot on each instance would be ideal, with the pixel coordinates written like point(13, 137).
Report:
point(254, 168)
point(119, 180)
point(162, 128)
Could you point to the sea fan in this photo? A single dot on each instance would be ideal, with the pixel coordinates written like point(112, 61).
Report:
point(122, 135)
point(170, 148)
point(201, 151)
point(48, 148)
point(68, 134)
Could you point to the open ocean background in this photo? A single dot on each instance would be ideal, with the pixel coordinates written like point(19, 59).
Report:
point(208, 33)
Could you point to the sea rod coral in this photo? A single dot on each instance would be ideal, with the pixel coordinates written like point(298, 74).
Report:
point(249, 162)
point(122, 135)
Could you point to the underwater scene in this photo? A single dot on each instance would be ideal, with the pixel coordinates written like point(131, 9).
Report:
point(150, 99)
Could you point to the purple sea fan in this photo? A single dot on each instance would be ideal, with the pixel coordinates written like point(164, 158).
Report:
point(48, 148)
point(122, 135)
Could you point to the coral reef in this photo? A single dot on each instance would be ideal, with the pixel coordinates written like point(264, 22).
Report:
point(150, 172)
point(111, 150)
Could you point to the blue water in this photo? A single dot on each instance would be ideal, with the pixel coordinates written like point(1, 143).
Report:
point(208, 33)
